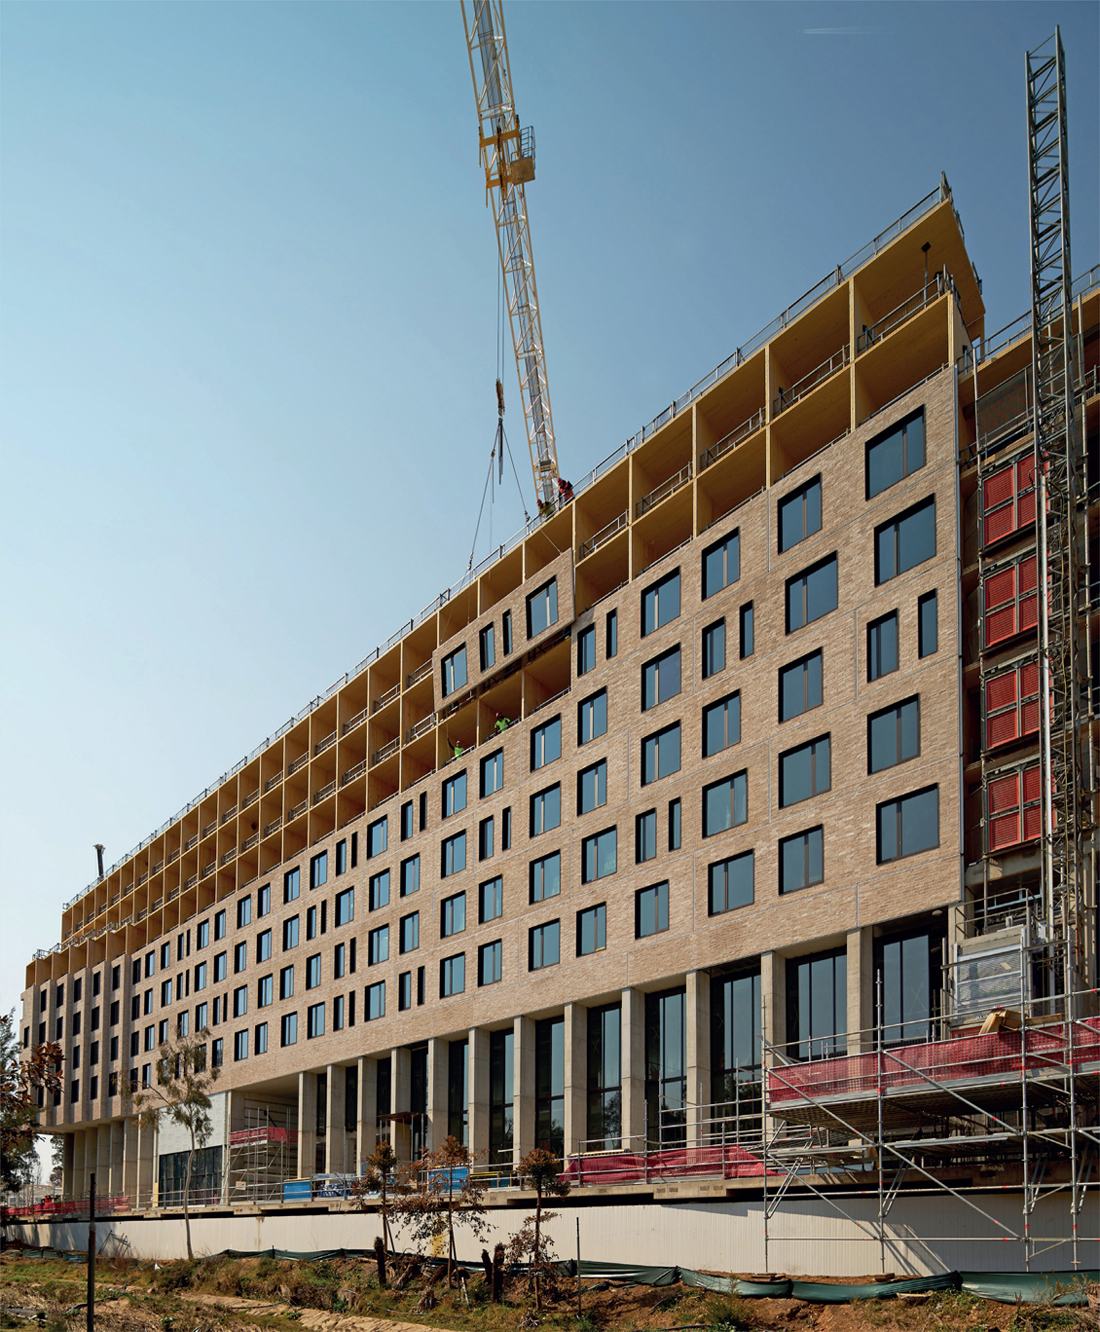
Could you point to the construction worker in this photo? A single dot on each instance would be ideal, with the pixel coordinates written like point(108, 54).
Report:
point(565, 491)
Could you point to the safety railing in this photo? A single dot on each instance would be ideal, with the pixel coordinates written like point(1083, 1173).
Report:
point(251, 798)
point(422, 727)
point(207, 870)
point(273, 826)
point(210, 827)
point(273, 781)
point(663, 491)
point(250, 842)
point(357, 720)
point(296, 764)
point(228, 814)
point(193, 840)
point(826, 370)
point(322, 745)
point(388, 697)
point(939, 285)
point(424, 669)
point(299, 808)
point(229, 855)
point(324, 792)
point(731, 441)
point(594, 542)
point(356, 770)
point(384, 751)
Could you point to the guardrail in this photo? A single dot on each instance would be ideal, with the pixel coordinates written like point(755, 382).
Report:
point(593, 543)
point(826, 370)
point(663, 491)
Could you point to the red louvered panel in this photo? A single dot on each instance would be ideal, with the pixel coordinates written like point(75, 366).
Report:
point(1025, 510)
point(1029, 679)
point(998, 524)
point(1032, 784)
point(1033, 822)
point(1001, 728)
point(1000, 625)
point(1000, 487)
point(1029, 612)
point(1004, 830)
point(1000, 692)
point(1029, 717)
point(1004, 793)
point(1028, 575)
point(1000, 587)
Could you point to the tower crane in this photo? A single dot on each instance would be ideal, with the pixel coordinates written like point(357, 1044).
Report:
point(508, 155)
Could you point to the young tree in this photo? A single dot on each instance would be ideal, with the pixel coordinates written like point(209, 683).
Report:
point(181, 1093)
point(450, 1197)
point(20, 1082)
point(382, 1177)
point(540, 1170)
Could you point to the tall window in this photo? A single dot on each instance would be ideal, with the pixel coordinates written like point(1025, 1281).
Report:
point(895, 454)
point(802, 860)
point(592, 930)
point(725, 803)
point(586, 650)
point(893, 735)
point(748, 642)
point(800, 686)
point(666, 1067)
point(490, 900)
point(500, 1095)
point(378, 834)
point(909, 825)
point(288, 1030)
point(928, 635)
point(714, 649)
point(410, 876)
point(546, 810)
point(487, 645)
point(592, 717)
point(611, 644)
point(454, 794)
point(730, 883)
point(909, 965)
point(661, 754)
point(286, 983)
point(452, 915)
point(292, 881)
point(452, 976)
point(458, 1091)
point(811, 594)
point(645, 836)
point(661, 603)
point(375, 1006)
point(651, 910)
point(545, 743)
point(542, 608)
point(378, 946)
point(592, 787)
point(546, 877)
point(379, 890)
point(721, 724)
point(244, 912)
point(313, 971)
point(318, 870)
point(544, 945)
point(290, 934)
point(800, 514)
point(506, 633)
point(490, 962)
point(905, 541)
point(604, 1118)
point(453, 668)
point(406, 820)
point(817, 1005)
point(345, 907)
point(550, 1085)
point(453, 855)
point(804, 772)
point(882, 646)
point(341, 856)
point(486, 838)
point(661, 678)
point(599, 855)
point(410, 932)
point(735, 1048)
point(721, 564)
point(492, 773)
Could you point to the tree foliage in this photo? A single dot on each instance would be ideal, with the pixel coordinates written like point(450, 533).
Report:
point(384, 1177)
point(540, 1170)
point(20, 1083)
point(447, 1197)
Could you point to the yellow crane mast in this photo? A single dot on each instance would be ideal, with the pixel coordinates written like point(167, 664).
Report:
point(508, 155)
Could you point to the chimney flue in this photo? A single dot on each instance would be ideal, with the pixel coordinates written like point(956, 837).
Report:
point(99, 850)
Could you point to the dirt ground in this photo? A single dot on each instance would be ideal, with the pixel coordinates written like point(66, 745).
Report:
point(48, 1290)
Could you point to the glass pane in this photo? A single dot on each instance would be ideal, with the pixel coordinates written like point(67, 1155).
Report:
point(920, 820)
point(821, 591)
point(917, 537)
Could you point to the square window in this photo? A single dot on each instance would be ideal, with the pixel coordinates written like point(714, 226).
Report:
point(811, 594)
point(487, 647)
point(661, 754)
point(721, 564)
point(546, 810)
point(909, 825)
point(453, 670)
point(544, 946)
point(378, 888)
point(545, 743)
point(592, 930)
point(730, 884)
point(800, 686)
point(410, 876)
point(378, 946)
point(545, 877)
point(318, 870)
point(490, 959)
point(893, 735)
point(452, 915)
point(586, 650)
point(592, 717)
point(375, 1005)
point(454, 794)
point(714, 649)
point(410, 932)
point(721, 724)
point(895, 454)
point(661, 603)
point(452, 976)
point(802, 860)
point(645, 836)
point(725, 803)
point(592, 787)
point(542, 608)
point(661, 678)
point(651, 910)
point(490, 900)
point(928, 634)
point(800, 514)
point(905, 541)
point(453, 858)
point(599, 855)
point(882, 646)
point(492, 773)
point(804, 772)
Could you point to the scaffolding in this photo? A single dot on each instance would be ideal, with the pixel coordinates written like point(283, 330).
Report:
point(263, 1155)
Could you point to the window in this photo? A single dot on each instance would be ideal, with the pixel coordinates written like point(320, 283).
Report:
point(909, 825)
point(200, 976)
point(592, 717)
point(661, 754)
point(453, 858)
point(452, 915)
point(725, 803)
point(378, 835)
point(290, 933)
point(802, 860)
point(485, 834)
point(544, 946)
point(546, 810)
point(661, 678)
point(546, 877)
point(318, 870)
point(645, 836)
point(263, 900)
point(406, 820)
point(339, 961)
point(746, 630)
point(651, 910)
point(288, 1034)
point(817, 1005)
point(487, 647)
point(905, 541)
point(315, 1021)
point(378, 945)
point(674, 824)
point(202, 938)
point(506, 829)
point(800, 514)
point(721, 564)
point(453, 668)
point(410, 876)
point(730, 884)
point(800, 686)
point(490, 900)
point(928, 634)
point(240, 1001)
point(893, 735)
point(313, 971)
point(545, 743)
point(244, 912)
point(292, 882)
point(882, 646)
point(542, 608)
point(506, 632)
point(599, 855)
point(721, 724)
point(404, 991)
point(452, 975)
point(895, 454)
point(592, 930)
point(286, 983)
point(410, 932)
point(240, 1045)
point(378, 890)
point(375, 1006)
point(592, 787)
point(261, 1038)
point(454, 795)
point(240, 958)
point(202, 1021)
point(341, 856)
point(345, 907)
point(265, 991)
point(661, 603)
point(150, 1037)
point(490, 963)
point(811, 594)
point(612, 634)
point(263, 945)
point(219, 933)
point(221, 966)
point(804, 772)
point(586, 650)
point(151, 962)
point(714, 649)
point(492, 773)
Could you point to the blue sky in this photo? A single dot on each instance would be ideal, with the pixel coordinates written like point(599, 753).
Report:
point(250, 281)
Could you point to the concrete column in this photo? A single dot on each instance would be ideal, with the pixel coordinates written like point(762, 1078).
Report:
point(130, 1160)
point(146, 1165)
point(697, 1034)
point(68, 1169)
point(438, 1063)
point(79, 1148)
point(477, 1052)
point(307, 1124)
point(336, 1154)
point(401, 1099)
point(523, 1088)
point(576, 1077)
point(103, 1160)
point(773, 999)
point(117, 1132)
point(366, 1111)
point(633, 1066)
point(861, 994)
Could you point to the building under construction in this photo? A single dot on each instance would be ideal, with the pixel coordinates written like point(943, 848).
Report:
point(731, 831)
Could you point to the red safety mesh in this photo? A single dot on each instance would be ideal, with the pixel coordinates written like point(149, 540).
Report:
point(628, 1167)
